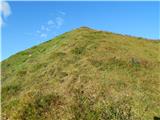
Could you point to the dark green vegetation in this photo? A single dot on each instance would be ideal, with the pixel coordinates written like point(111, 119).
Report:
point(84, 74)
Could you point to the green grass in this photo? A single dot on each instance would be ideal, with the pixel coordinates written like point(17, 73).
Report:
point(83, 74)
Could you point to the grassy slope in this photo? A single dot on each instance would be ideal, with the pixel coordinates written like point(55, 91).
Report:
point(83, 75)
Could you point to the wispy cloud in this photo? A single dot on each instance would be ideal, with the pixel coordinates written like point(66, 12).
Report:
point(5, 11)
point(59, 22)
point(62, 13)
point(50, 22)
point(43, 35)
point(51, 25)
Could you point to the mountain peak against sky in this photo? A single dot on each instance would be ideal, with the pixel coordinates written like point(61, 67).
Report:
point(90, 32)
point(58, 70)
point(58, 17)
point(83, 74)
point(84, 27)
point(105, 32)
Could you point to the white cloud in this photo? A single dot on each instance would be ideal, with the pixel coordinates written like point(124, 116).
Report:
point(59, 21)
point(5, 8)
point(42, 27)
point(62, 13)
point(43, 35)
point(47, 29)
point(50, 22)
point(5, 11)
point(38, 31)
point(51, 26)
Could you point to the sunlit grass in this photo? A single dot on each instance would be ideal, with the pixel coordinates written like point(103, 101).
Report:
point(83, 75)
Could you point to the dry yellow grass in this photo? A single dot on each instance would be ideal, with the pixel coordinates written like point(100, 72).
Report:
point(84, 74)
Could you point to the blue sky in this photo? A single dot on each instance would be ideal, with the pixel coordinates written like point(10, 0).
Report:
point(30, 23)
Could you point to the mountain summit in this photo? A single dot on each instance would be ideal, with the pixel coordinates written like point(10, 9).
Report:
point(83, 74)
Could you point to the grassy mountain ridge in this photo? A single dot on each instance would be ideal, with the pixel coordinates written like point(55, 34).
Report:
point(84, 74)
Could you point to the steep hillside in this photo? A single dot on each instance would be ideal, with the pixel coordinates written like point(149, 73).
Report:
point(84, 74)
